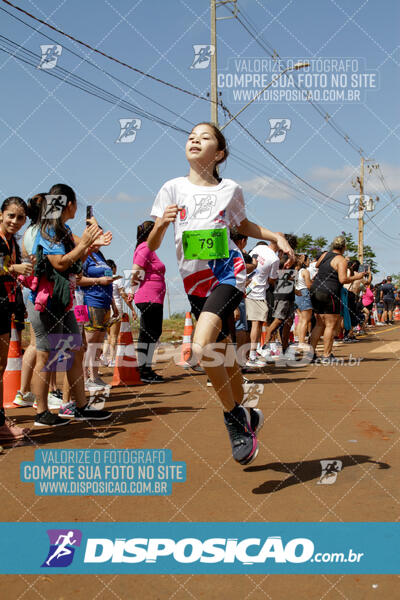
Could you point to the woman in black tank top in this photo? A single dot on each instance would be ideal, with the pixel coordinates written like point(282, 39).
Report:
point(325, 294)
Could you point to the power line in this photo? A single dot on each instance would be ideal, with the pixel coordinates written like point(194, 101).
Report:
point(92, 64)
point(272, 52)
point(278, 160)
point(116, 60)
point(27, 56)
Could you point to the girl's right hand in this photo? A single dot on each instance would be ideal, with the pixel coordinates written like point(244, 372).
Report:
point(170, 213)
point(91, 233)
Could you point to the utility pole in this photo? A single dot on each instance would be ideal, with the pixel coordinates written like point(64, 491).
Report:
point(214, 83)
point(361, 215)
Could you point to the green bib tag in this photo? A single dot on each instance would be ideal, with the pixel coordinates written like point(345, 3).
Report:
point(205, 244)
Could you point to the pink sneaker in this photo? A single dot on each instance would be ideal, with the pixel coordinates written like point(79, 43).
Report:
point(10, 432)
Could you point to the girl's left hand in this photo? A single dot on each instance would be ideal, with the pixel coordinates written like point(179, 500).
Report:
point(103, 240)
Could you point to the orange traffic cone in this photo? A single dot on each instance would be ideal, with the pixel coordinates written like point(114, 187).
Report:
point(187, 340)
point(263, 334)
point(397, 314)
point(125, 370)
point(12, 374)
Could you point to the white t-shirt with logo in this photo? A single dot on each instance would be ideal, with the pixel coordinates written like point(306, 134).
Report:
point(205, 207)
point(267, 268)
point(118, 285)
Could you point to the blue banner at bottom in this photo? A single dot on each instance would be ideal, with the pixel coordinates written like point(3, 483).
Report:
point(201, 548)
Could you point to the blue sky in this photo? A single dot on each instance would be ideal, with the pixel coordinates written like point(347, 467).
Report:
point(51, 132)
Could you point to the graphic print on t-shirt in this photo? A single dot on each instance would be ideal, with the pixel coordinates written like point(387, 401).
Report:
point(204, 204)
point(205, 208)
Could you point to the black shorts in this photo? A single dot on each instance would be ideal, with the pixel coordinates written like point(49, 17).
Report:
point(5, 319)
point(269, 297)
point(222, 302)
point(325, 303)
point(388, 305)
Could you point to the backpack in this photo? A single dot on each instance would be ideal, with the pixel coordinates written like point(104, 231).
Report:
point(284, 287)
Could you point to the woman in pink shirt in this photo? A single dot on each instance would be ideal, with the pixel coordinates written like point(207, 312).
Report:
point(149, 274)
point(368, 302)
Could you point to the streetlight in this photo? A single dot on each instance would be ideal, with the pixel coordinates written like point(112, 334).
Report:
point(296, 67)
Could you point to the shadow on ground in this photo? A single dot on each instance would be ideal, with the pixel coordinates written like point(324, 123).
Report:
point(303, 471)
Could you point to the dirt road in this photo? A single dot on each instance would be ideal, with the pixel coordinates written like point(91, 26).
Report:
point(348, 413)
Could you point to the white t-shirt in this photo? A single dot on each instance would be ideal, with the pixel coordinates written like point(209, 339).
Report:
point(267, 268)
point(30, 237)
point(205, 207)
point(300, 281)
point(312, 269)
point(118, 285)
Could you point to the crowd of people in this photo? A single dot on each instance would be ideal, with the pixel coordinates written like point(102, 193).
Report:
point(254, 300)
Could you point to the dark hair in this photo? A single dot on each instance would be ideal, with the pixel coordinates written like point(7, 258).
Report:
point(143, 231)
point(354, 265)
point(34, 204)
point(389, 278)
point(111, 263)
point(236, 236)
point(291, 240)
point(222, 145)
point(61, 233)
point(14, 200)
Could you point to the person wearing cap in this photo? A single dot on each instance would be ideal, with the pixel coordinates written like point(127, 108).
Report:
point(325, 294)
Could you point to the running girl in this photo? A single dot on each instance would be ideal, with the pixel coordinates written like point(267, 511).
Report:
point(203, 207)
point(13, 217)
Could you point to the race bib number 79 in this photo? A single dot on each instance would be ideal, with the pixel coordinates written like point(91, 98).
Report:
point(205, 244)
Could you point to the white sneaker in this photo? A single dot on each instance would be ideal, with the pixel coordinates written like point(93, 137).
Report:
point(23, 400)
point(102, 383)
point(53, 401)
point(255, 362)
point(91, 386)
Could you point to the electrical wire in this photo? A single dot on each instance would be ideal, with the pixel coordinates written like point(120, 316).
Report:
point(92, 64)
point(27, 56)
point(108, 56)
point(272, 52)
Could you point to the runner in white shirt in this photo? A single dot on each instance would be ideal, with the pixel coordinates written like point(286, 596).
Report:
point(203, 207)
point(256, 304)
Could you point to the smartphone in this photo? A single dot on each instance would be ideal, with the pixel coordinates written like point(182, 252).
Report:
point(366, 267)
point(89, 213)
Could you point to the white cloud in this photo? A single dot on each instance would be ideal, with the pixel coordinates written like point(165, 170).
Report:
point(266, 187)
point(338, 181)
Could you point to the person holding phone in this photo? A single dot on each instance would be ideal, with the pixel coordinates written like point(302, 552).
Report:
point(58, 262)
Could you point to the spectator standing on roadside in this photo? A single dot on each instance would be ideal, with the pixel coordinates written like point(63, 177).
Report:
point(148, 272)
point(387, 297)
point(265, 275)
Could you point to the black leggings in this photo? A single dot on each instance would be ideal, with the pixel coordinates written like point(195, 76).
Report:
point(151, 320)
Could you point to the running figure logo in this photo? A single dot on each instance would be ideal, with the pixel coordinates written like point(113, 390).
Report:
point(202, 56)
point(204, 204)
point(128, 131)
point(50, 54)
point(54, 206)
point(278, 130)
point(354, 206)
point(330, 470)
point(62, 547)
point(61, 356)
